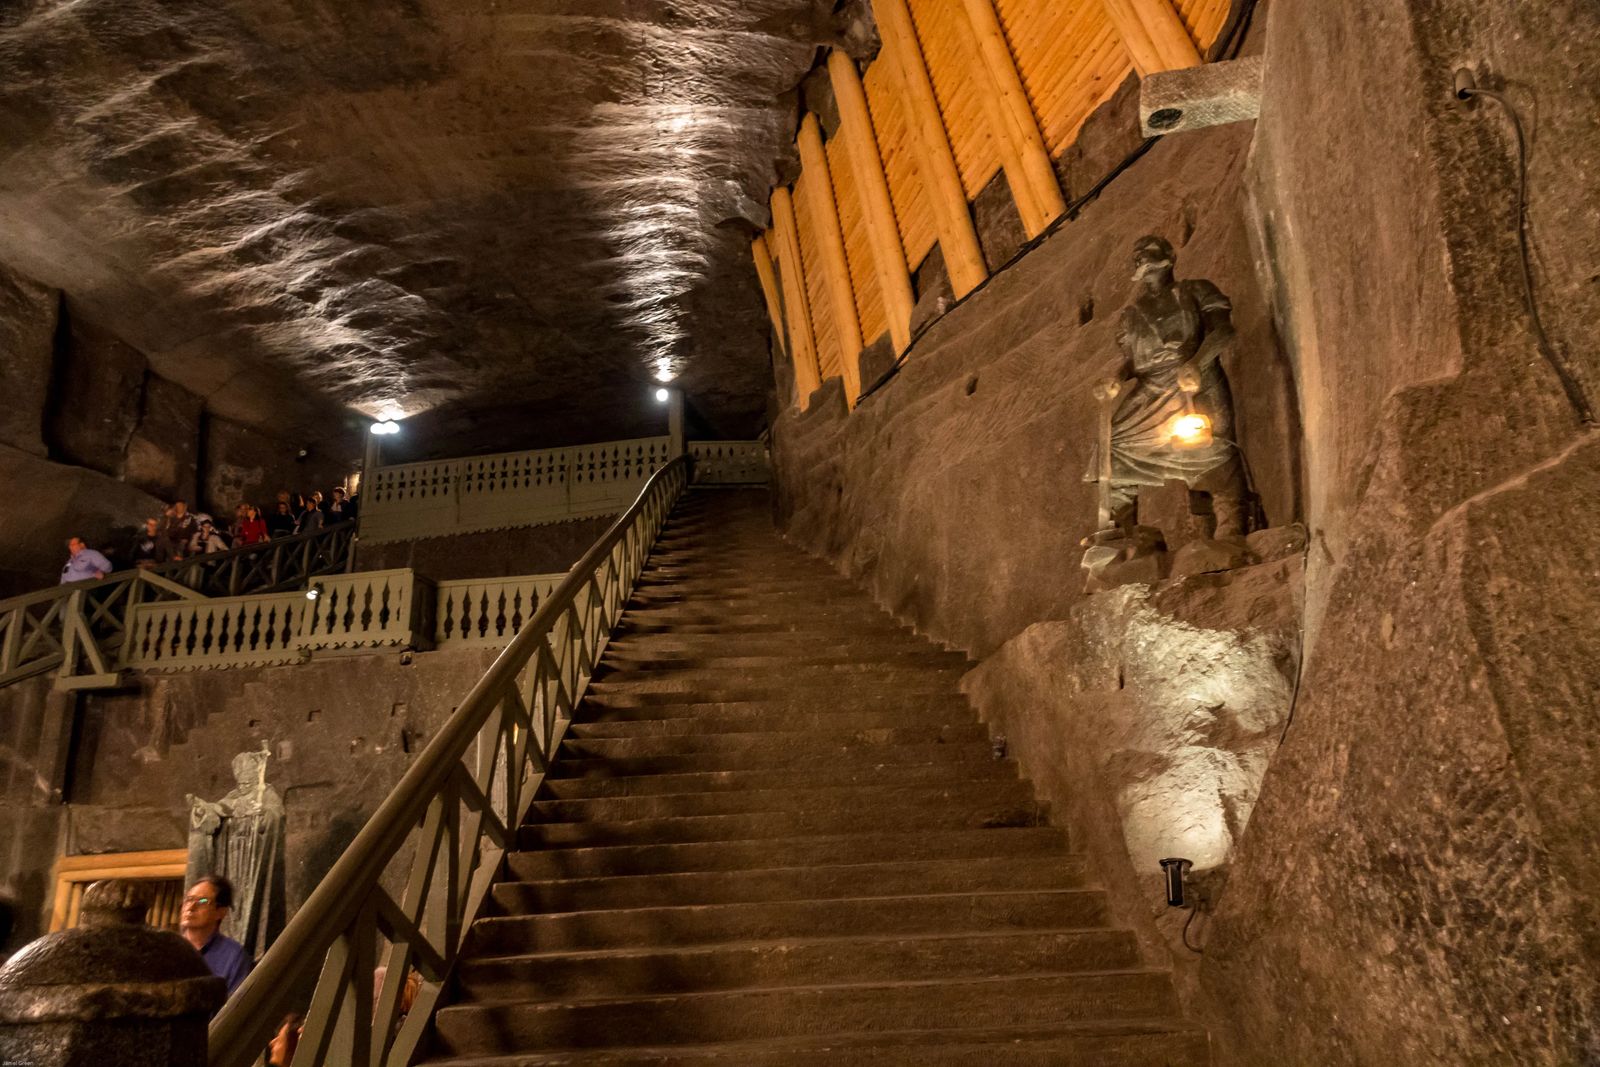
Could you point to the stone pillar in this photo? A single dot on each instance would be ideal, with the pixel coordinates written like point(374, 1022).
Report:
point(675, 422)
point(110, 993)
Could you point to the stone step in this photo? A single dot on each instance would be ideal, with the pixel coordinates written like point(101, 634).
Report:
point(632, 624)
point(746, 826)
point(971, 796)
point(636, 972)
point(778, 778)
point(708, 686)
point(742, 1015)
point(757, 741)
point(1039, 871)
point(768, 644)
point(744, 718)
point(837, 659)
point(822, 851)
point(817, 754)
point(699, 924)
point(1154, 1043)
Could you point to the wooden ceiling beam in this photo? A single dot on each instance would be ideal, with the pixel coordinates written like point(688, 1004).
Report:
point(797, 310)
point(1154, 35)
point(823, 212)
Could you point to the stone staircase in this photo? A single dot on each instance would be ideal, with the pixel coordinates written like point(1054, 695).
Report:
point(779, 836)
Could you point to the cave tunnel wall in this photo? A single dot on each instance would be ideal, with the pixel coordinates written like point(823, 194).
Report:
point(1417, 880)
point(92, 441)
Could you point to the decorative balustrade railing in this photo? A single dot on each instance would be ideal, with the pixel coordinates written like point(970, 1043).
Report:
point(488, 612)
point(439, 837)
point(368, 609)
point(216, 632)
point(83, 625)
point(508, 489)
point(730, 462)
point(528, 488)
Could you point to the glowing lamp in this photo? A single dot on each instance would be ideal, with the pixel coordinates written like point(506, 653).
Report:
point(662, 395)
point(384, 428)
point(314, 593)
point(1190, 430)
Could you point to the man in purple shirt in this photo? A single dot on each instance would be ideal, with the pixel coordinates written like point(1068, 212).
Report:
point(84, 563)
point(205, 905)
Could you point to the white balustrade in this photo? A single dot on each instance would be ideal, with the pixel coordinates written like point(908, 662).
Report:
point(367, 609)
point(488, 612)
point(730, 462)
point(507, 489)
point(240, 631)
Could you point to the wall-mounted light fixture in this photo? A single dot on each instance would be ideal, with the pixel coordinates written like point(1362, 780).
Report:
point(1190, 430)
point(662, 395)
point(314, 592)
point(1172, 870)
point(384, 428)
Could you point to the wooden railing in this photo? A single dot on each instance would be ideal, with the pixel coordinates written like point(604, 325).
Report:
point(443, 830)
point(368, 609)
point(79, 629)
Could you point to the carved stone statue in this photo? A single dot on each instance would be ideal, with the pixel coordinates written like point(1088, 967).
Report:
point(1172, 419)
point(241, 838)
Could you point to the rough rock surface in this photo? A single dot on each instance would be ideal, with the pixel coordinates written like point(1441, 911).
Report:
point(45, 503)
point(960, 482)
point(342, 731)
point(1149, 716)
point(1421, 880)
point(521, 205)
point(548, 549)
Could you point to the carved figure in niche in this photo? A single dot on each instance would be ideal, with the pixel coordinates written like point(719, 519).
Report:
point(1173, 418)
point(241, 837)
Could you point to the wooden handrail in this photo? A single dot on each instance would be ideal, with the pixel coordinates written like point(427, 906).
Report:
point(336, 931)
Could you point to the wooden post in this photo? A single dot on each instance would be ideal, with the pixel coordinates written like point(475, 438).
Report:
point(824, 215)
point(769, 290)
point(797, 312)
point(1154, 35)
point(1014, 124)
point(877, 207)
point(936, 163)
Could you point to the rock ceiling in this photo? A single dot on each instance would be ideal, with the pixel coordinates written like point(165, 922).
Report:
point(507, 214)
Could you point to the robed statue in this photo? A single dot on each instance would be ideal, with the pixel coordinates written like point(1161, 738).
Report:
point(1171, 416)
point(241, 838)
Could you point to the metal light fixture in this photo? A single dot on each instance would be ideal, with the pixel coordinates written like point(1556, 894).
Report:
point(1189, 430)
point(1172, 870)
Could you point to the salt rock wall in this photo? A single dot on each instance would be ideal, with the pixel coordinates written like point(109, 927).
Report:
point(956, 492)
point(1421, 880)
point(1147, 719)
point(342, 731)
point(548, 549)
point(92, 441)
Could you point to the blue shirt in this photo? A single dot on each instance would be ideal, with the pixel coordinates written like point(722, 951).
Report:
point(84, 565)
point(228, 960)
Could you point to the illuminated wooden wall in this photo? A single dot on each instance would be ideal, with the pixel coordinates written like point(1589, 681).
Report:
point(962, 90)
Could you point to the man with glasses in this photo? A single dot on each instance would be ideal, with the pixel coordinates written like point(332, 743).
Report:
point(205, 905)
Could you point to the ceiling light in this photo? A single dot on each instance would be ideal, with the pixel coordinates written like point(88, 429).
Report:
point(384, 428)
point(662, 395)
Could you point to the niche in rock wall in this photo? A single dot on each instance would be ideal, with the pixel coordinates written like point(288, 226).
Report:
point(1149, 714)
point(108, 412)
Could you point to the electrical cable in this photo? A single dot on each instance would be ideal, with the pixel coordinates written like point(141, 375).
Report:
point(1575, 395)
point(1196, 949)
